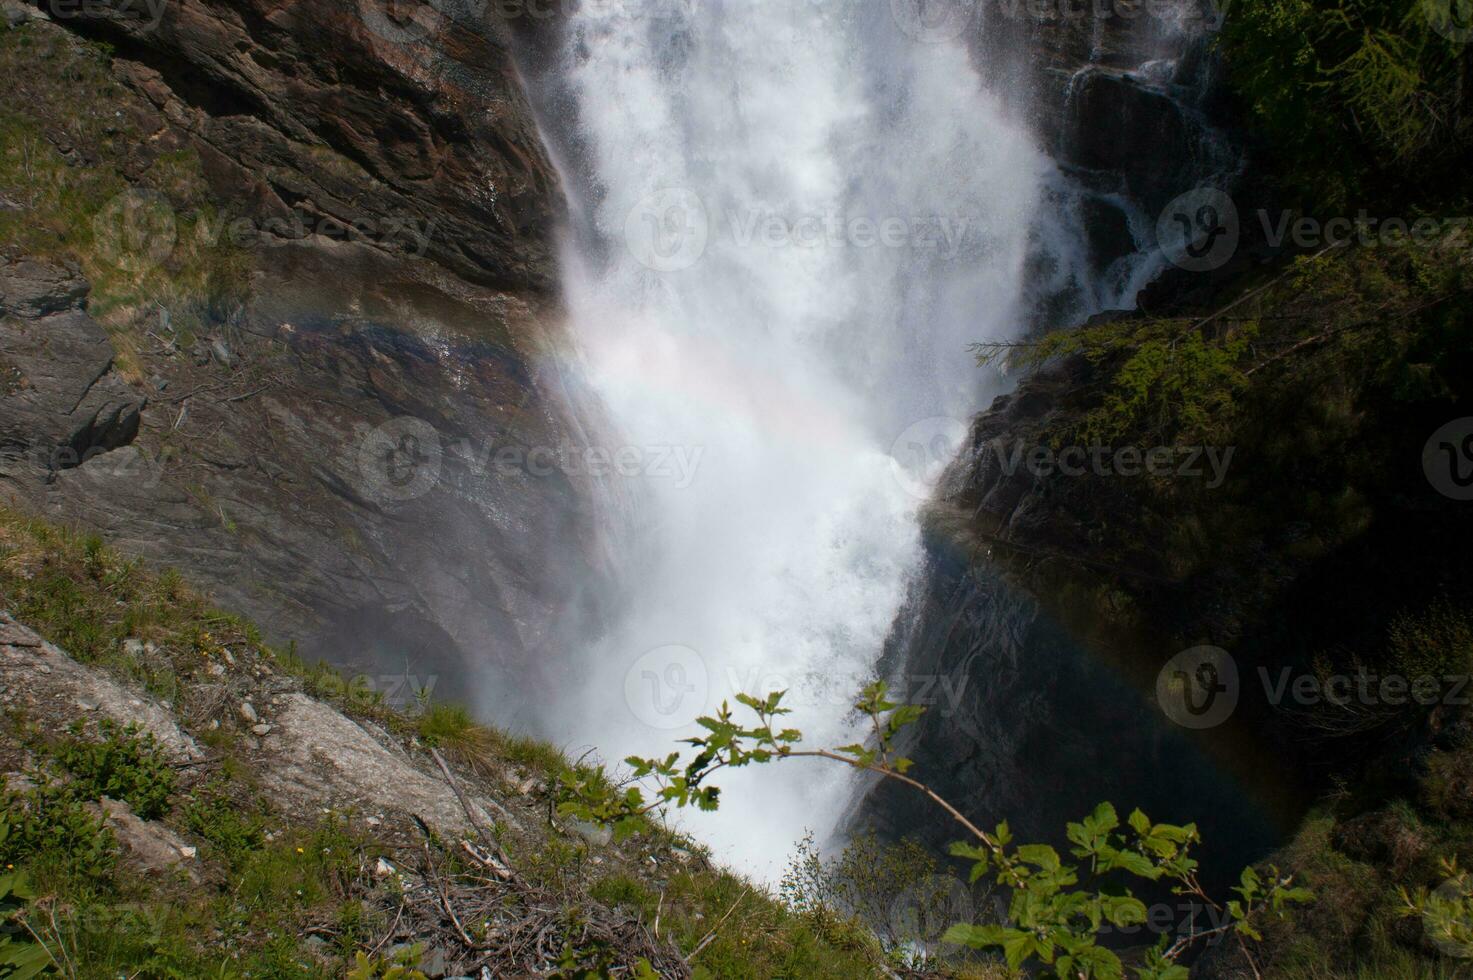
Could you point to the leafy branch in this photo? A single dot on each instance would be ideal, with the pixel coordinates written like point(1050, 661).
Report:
point(1051, 922)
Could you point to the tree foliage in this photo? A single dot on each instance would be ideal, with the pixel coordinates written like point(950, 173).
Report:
point(1354, 96)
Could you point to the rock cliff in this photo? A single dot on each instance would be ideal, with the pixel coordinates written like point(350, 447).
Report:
point(299, 338)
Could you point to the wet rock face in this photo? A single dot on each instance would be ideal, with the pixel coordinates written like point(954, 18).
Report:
point(1025, 719)
point(339, 478)
point(1121, 94)
point(60, 402)
point(1024, 724)
point(399, 119)
point(1034, 725)
point(323, 456)
point(1143, 135)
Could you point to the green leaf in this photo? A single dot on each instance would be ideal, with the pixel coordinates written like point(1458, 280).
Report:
point(1040, 855)
point(1018, 947)
point(975, 937)
point(1105, 819)
point(1123, 910)
point(1134, 863)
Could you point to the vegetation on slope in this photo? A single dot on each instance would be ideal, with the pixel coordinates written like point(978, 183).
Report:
point(274, 892)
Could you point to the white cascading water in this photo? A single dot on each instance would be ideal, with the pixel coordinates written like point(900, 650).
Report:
point(734, 304)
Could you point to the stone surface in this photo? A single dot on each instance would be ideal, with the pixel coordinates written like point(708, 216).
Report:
point(46, 683)
point(408, 121)
point(318, 757)
point(247, 459)
point(60, 402)
point(1124, 96)
point(148, 844)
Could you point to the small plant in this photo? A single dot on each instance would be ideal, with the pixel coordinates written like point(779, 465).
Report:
point(1447, 913)
point(19, 959)
point(400, 966)
point(450, 729)
point(1052, 923)
point(128, 765)
point(897, 891)
point(233, 831)
point(49, 824)
point(595, 962)
point(1167, 377)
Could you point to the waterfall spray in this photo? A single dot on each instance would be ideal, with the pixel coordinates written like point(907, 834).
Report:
point(800, 213)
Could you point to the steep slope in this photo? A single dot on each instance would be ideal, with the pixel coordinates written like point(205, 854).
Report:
point(184, 800)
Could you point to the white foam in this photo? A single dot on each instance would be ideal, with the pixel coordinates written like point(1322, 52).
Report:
point(791, 369)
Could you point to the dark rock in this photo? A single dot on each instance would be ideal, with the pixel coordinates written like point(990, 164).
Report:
point(63, 404)
point(264, 498)
point(253, 475)
point(1123, 126)
point(31, 289)
point(419, 136)
point(1108, 227)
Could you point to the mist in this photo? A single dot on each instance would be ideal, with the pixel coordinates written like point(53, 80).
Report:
point(790, 219)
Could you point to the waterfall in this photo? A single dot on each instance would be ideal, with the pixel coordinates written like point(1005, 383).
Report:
point(790, 218)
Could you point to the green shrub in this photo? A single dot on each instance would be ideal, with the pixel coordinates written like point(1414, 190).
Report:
point(896, 891)
point(232, 830)
point(19, 959)
point(128, 765)
point(631, 893)
point(51, 827)
point(451, 729)
point(1352, 97)
point(1057, 908)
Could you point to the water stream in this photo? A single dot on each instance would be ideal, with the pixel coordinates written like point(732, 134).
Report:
point(790, 218)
